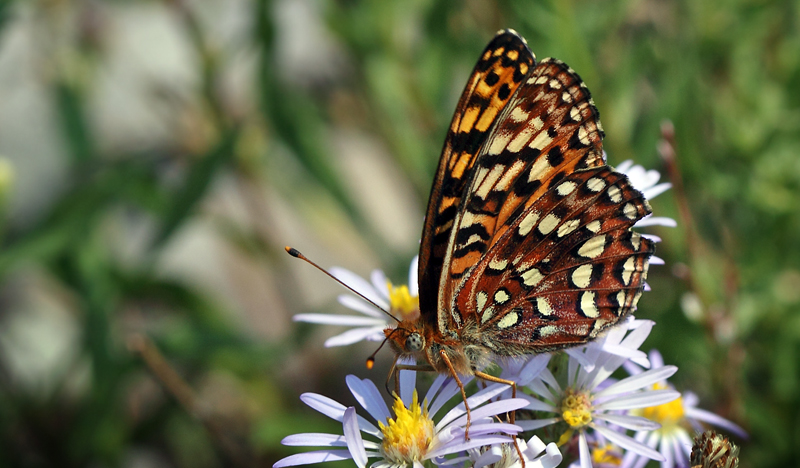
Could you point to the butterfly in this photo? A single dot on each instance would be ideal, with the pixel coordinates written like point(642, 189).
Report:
point(527, 244)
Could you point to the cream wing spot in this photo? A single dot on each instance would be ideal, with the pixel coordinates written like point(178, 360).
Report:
point(541, 141)
point(539, 168)
point(499, 143)
point(621, 301)
point(480, 300)
point(508, 320)
point(527, 223)
point(583, 135)
point(568, 227)
point(582, 276)
point(543, 307)
point(588, 304)
point(519, 115)
point(546, 330)
point(532, 277)
point(593, 248)
point(498, 264)
point(565, 188)
point(566, 97)
point(596, 184)
point(487, 314)
point(501, 296)
point(629, 211)
point(549, 223)
point(508, 176)
point(627, 270)
point(521, 139)
point(594, 226)
point(636, 240)
point(615, 194)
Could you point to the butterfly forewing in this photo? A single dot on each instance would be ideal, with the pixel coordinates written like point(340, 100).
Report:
point(550, 128)
point(504, 64)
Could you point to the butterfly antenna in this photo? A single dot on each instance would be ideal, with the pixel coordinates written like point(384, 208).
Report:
point(296, 253)
point(371, 358)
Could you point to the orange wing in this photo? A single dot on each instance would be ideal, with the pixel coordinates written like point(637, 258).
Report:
point(501, 69)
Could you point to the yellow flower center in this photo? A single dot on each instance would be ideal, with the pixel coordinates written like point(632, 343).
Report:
point(668, 415)
point(576, 409)
point(407, 437)
point(402, 302)
point(608, 455)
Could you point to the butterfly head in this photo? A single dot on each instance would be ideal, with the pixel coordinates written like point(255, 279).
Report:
point(406, 339)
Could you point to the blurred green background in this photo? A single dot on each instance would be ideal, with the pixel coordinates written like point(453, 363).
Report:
point(156, 156)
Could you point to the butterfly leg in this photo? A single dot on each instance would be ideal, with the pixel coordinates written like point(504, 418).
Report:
point(395, 371)
point(460, 387)
point(512, 418)
point(491, 378)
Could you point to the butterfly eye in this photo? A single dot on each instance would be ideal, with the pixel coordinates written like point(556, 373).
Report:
point(414, 342)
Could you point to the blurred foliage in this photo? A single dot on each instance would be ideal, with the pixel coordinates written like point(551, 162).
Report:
point(126, 341)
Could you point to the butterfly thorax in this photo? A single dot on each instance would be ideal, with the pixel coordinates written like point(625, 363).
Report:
point(423, 342)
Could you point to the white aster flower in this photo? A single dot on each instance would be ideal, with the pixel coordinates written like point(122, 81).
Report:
point(407, 435)
point(679, 419)
point(611, 342)
point(402, 301)
point(590, 404)
point(646, 181)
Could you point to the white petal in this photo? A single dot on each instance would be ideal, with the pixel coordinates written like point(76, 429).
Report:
point(719, 421)
point(624, 166)
point(638, 381)
point(654, 260)
point(432, 391)
point(447, 392)
point(458, 444)
point(346, 320)
point(533, 424)
point(413, 279)
point(538, 405)
point(314, 440)
point(360, 305)
point(656, 190)
point(627, 442)
point(335, 411)
point(380, 283)
point(638, 400)
point(491, 456)
point(666, 452)
point(656, 221)
point(583, 448)
point(491, 409)
point(474, 401)
point(356, 282)
point(408, 381)
point(307, 458)
point(368, 396)
point(353, 436)
point(636, 423)
point(355, 335)
point(551, 459)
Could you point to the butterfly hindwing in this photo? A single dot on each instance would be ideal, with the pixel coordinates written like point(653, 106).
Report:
point(565, 270)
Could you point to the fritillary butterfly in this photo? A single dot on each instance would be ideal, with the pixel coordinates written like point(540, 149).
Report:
point(527, 245)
